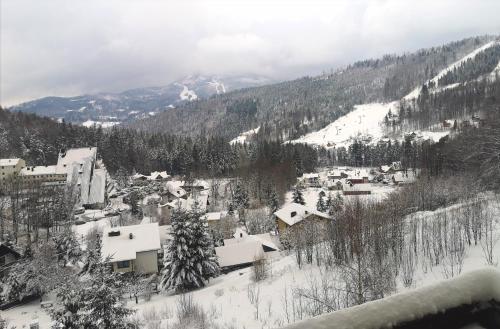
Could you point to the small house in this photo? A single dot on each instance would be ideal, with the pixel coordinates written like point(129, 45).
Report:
point(294, 214)
point(243, 250)
point(311, 179)
point(159, 176)
point(357, 189)
point(132, 248)
point(404, 177)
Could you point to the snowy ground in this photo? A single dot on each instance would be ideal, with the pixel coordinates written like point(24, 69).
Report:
point(226, 298)
point(242, 138)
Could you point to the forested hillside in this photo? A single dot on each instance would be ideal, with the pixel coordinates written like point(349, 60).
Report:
point(291, 109)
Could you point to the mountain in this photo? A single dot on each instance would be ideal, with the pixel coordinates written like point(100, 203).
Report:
point(290, 110)
point(113, 108)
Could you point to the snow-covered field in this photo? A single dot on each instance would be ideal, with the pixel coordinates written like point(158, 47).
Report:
point(365, 121)
point(242, 138)
point(226, 298)
point(103, 124)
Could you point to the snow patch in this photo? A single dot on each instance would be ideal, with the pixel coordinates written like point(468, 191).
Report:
point(187, 94)
point(242, 138)
point(103, 124)
point(365, 123)
point(219, 86)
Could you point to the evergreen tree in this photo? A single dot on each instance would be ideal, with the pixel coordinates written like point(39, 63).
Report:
point(190, 257)
point(68, 248)
point(298, 197)
point(93, 303)
point(321, 205)
point(241, 199)
point(93, 257)
point(336, 205)
point(273, 202)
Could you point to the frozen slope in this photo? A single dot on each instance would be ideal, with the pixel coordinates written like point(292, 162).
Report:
point(365, 122)
point(416, 91)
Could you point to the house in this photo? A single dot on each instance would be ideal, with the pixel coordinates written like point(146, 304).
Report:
point(334, 174)
point(447, 123)
point(200, 200)
point(357, 189)
point(195, 185)
point(243, 250)
point(294, 214)
point(404, 177)
point(9, 167)
point(159, 176)
point(7, 256)
point(311, 179)
point(80, 166)
point(174, 190)
point(42, 174)
point(132, 248)
point(335, 186)
point(213, 218)
point(358, 176)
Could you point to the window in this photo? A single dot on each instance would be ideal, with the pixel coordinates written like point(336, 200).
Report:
point(124, 264)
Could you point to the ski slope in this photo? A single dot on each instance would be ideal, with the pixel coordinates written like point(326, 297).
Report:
point(242, 138)
point(416, 92)
point(364, 123)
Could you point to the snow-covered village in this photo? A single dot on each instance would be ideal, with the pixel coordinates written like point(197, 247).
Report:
point(249, 165)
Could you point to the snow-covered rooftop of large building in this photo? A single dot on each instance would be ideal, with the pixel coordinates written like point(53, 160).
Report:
point(293, 213)
point(145, 237)
point(77, 155)
point(9, 162)
point(39, 170)
point(477, 286)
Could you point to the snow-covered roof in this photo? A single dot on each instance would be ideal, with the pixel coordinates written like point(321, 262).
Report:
point(159, 175)
point(310, 176)
point(97, 187)
point(196, 183)
point(239, 253)
point(188, 204)
point(404, 177)
point(473, 287)
point(214, 216)
point(39, 170)
point(145, 237)
point(241, 236)
point(293, 213)
point(385, 168)
point(174, 187)
point(75, 156)
point(357, 187)
point(9, 162)
point(335, 173)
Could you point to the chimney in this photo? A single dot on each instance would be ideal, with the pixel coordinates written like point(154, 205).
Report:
point(293, 214)
point(130, 236)
point(113, 233)
point(241, 234)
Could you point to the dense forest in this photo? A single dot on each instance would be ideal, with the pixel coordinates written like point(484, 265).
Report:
point(290, 109)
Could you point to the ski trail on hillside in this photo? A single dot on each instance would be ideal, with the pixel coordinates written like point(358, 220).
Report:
point(365, 122)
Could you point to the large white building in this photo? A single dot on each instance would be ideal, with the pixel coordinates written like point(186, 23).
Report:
point(9, 167)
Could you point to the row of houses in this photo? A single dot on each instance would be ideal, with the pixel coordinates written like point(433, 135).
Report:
point(78, 167)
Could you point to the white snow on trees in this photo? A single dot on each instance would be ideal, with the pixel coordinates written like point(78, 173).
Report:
point(477, 286)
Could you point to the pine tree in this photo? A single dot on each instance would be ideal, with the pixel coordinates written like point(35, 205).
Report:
point(92, 303)
point(298, 197)
point(240, 198)
point(93, 257)
point(68, 248)
point(321, 205)
point(190, 257)
point(273, 202)
point(336, 204)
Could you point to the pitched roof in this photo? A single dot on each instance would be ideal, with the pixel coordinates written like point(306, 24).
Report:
point(145, 237)
point(213, 216)
point(294, 213)
point(239, 253)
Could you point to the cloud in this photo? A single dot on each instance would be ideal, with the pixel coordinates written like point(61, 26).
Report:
point(63, 47)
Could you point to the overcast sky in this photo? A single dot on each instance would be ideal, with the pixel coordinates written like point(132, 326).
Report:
point(72, 47)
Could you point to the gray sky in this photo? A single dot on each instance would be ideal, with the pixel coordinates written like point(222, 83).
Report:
point(65, 48)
